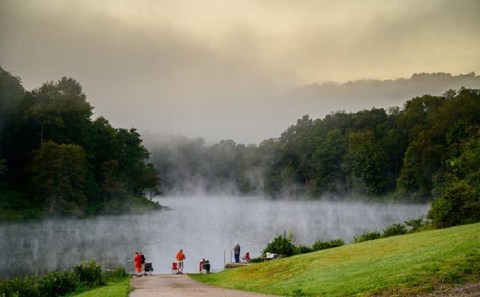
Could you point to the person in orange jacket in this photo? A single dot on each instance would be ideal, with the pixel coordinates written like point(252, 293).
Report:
point(138, 263)
point(180, 257)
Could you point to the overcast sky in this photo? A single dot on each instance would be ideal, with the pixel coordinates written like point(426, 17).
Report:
point(210, 68)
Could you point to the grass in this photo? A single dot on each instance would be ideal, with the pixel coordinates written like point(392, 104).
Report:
point(112, 289)
point(401, 265)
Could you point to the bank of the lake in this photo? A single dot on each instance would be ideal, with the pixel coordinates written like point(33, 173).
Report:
point(204, 227)
point(401, 265)
point(14, 207)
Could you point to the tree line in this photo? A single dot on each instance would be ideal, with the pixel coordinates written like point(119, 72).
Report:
point(55, 157)
point(427, 150)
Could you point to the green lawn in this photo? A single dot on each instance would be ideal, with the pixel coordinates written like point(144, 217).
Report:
point(405, 265)
point(114, 289)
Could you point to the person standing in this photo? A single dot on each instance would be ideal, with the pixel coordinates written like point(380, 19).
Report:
point(236, 252)
point(142, 262)
point(138, 263)
point(180, 258)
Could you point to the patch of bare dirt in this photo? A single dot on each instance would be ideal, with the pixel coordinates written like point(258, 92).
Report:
point(465, 290)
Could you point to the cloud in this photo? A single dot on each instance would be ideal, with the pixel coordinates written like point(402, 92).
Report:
point(205, 68)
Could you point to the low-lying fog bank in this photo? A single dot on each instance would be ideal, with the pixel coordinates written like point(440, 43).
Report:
point(204, 227)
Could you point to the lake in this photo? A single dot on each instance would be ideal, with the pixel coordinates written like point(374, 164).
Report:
point(204, 227)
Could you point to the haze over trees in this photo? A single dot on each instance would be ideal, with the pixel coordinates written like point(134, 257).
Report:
point(425, 151)
point(55, 157)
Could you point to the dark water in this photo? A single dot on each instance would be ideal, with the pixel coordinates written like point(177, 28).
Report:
point(204, 227)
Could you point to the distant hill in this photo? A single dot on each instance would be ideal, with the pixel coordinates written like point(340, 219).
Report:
point(318, 100)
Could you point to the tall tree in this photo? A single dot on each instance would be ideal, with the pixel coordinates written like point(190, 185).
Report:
point(58, 177)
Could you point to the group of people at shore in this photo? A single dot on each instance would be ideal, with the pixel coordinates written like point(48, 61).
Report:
point(139, 260)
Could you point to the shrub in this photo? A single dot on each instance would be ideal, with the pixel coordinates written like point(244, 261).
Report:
point(280, 245)
point(395, 229)
point(89, 273)
point(418, 224)
point(302, 249)
point(53, 284)
point(26, 287)
point(460, 204)
point(322, 245)
point(57, 283)
point(116, 273)
point(367, 236)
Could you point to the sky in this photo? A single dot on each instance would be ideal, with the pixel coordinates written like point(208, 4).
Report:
point(214, 68)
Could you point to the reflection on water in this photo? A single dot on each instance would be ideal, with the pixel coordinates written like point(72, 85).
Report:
point(203, 227)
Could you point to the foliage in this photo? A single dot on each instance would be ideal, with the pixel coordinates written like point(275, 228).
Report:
point(115, 274)
point(302, 249)
point(409, 265)
point(418, 224)
point(89, 273)
point(373, 152)
point(57, 283)
point(323, 245)
point(395, 229)
point(61, 160)
point(84, 276)
point(460, 204)
point(367, 236)
point(460, 201)
point(58, 177)
point(421, 151)
point(281, 245)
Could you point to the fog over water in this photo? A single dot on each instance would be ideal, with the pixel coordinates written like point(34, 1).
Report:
point(204, 227)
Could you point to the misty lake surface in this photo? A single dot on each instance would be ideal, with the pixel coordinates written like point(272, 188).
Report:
point(204, 227)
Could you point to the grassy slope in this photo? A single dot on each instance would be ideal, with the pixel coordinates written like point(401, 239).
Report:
point(405, 265)
point(114, 289)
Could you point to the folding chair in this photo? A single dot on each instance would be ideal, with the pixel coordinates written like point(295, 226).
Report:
point(148, 268)
point(174, 267)
point(246, 258)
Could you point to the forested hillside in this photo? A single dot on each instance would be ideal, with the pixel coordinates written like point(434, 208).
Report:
point(55, 159)
point(429, 149)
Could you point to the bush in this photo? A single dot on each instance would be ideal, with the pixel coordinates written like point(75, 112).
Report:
point(395, 229)
point(26, 287)
point(280, 245)
point(460, 204)
point(322, 245)
point(53, 284)
point(302, 249)
point(367, 236)
point(417, 224)
point(57, 283)
point(89, 273)
point(115, 274)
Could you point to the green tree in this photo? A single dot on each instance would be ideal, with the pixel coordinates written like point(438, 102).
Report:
point(58, 177)
point(460, 201)
point(367, 162)
point(329, 165)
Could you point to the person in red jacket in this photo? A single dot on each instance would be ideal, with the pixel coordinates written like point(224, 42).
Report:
point(180, 257)
point(138, 263)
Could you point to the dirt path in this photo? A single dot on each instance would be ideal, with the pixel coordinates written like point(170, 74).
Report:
point(173, 285)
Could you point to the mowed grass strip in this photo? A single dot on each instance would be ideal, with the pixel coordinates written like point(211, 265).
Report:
point(114, 289)
point(407, 265)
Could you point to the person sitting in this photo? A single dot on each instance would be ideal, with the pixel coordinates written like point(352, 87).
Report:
point(205, 265)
